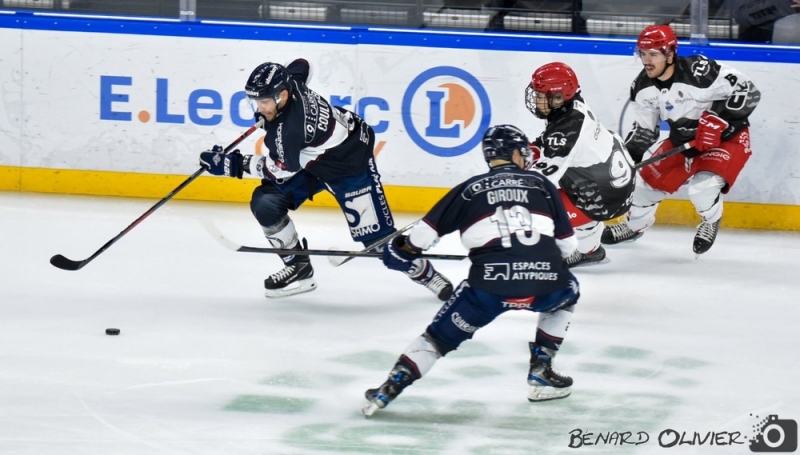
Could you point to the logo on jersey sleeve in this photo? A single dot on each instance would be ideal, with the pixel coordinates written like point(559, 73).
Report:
point(446, 111)
point(701, 67)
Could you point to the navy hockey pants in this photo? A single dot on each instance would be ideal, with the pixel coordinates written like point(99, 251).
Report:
point(469, 309)
point(360, 197)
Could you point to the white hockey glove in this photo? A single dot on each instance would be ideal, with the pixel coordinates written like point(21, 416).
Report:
point(267, 168)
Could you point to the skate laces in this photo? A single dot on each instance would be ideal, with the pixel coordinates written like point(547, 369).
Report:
point(621, 231)
point(574, 258)
point(706, 231)
point(389, 390)
point(436, 283)
point(284, 273)
point(550, 372)
point(543, 370)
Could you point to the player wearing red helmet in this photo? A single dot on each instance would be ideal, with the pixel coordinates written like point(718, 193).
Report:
point(657, 48)
point(588, 163)
point(703, 101)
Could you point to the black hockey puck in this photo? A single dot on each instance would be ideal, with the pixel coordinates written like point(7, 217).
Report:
point(112, 331)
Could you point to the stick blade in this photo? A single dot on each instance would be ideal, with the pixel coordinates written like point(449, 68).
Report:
point(336, 261)
point(63, 263)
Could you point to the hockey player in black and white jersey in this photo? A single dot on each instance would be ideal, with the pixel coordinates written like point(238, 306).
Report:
point(703, 101)
point(312, 146)
point(518, 235)
point(587, 162)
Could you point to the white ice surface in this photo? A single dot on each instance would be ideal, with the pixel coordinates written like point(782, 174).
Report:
point(206, 365)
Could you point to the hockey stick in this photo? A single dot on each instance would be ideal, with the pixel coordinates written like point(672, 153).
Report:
point(231, 245)
point(666, 154)
point(68, 264)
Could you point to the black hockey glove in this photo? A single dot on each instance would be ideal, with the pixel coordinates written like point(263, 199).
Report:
point(216, 162)
point(398, 255)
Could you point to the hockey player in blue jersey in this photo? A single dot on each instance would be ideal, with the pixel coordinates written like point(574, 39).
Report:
point(312, 147)
point(518, 235)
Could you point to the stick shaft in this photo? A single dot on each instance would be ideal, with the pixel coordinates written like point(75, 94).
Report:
point(68, 264)
point(377, 243)
point(233, 246)
point(667, 154)
point(358, 254)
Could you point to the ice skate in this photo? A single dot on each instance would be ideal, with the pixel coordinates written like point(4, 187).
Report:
point(704, 239)
point(423, 273)
point(295, 278)
point(545, 384)
point(379, 398)
point(617, 233)
point(578, 259)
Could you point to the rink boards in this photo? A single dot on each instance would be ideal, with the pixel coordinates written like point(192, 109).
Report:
point(123, 107)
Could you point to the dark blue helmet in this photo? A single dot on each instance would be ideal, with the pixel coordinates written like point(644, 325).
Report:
point(267, 81)
point(500, 141)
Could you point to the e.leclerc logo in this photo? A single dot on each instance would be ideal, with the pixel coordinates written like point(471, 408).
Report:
point(446, 111)
point(204, 106)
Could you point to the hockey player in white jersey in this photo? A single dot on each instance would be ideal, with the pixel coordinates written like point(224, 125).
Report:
point(702, 101)
point(588, 163)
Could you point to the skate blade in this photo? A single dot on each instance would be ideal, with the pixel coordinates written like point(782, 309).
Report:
point(632, 239)
point(546, 393)
point(605, 260)
point(298, 287)
point(369, 409)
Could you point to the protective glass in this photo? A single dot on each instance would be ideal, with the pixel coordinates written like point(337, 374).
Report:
point(526, 152)
point(254, 102)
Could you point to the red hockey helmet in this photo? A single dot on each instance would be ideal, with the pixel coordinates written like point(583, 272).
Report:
point(555, 78)
point(550, 80)
point(659, 37)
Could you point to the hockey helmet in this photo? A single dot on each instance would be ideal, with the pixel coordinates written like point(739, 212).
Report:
point(500, 141)
point(551, 80)
point(268, 80)
point(659, 37)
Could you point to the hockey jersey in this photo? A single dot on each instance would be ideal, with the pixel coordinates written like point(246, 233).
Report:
point(698, 84)
point(515, 227)
point(327, 141)
point(589, 162)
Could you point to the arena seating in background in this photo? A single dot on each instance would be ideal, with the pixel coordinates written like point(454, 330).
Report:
point(787, 30)
point(244, 10)
point(628, 17)
point(34, 4)
point(154, 8)
point(542, 16)
point(388, 13)
point(594, 17)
